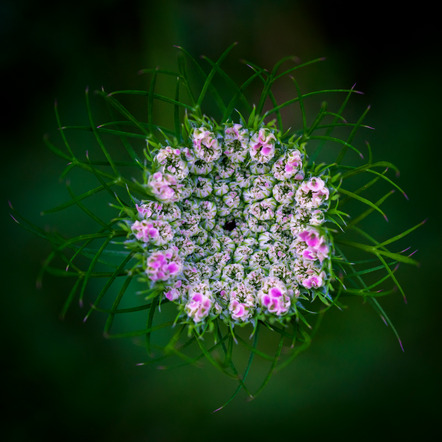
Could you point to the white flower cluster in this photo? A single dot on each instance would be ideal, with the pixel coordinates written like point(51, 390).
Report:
point(235, 230)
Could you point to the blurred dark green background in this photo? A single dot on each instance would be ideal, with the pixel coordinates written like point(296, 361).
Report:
point(63, 381)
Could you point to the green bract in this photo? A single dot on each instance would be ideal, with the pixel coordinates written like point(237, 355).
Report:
point(225, 226)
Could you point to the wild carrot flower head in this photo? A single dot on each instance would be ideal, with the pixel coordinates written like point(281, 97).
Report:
point(229, 221)
point(235, 222)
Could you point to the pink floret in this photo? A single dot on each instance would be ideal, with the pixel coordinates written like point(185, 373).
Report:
point(163, 265)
